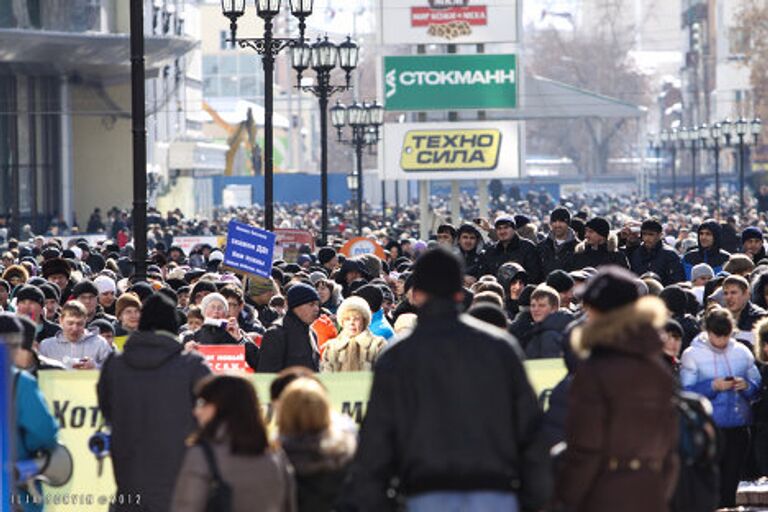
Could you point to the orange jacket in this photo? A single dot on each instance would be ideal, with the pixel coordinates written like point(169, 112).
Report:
point(325, 330)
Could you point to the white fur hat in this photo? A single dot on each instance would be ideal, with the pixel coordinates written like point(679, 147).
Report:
point(355, 304)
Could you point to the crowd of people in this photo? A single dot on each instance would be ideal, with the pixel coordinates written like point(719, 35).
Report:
point(641, 299)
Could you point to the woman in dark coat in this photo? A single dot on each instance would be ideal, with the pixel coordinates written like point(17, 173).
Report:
point(621, 427)
point(319, 448)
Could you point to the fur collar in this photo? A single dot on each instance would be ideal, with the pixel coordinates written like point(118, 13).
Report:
point(330, 450)
point(631, 329)
point(611, 243)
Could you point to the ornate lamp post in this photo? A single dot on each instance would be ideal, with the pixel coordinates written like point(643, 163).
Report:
point(268, 47)
point(365, 121)
point(323, 57)
point(654, 144)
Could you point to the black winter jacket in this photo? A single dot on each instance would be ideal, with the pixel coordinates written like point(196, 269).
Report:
point(557, 257)
point(520, 251)
point(546, 338)
point(289, 342)
point(146, 395)
point(426, 426)
point(661, 260)
point(714, 256)
point(473, 263)
point(214, 335)
point(748, 317)
point(606, 254)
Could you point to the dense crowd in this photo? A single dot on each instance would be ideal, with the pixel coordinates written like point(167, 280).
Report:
point(640, 298)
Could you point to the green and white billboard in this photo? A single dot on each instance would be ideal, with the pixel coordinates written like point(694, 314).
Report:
point(450, 82)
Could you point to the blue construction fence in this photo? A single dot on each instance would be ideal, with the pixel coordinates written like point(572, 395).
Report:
point(289, 188)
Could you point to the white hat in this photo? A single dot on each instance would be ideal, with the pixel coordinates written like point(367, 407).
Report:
point(104, 284)
point(212, 297)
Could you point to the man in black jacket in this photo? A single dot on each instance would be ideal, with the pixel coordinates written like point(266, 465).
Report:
point(290, 341)
point(469, 240)
point(147, 395)
point(451, 415)
point(557, 249)
point(654, 256)
point(752, 244)
point(511, 247)
point(599, 247)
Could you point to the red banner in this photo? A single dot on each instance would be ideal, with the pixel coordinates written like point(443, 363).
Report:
point(288, 242)
point(225, 358)
point(426, 16)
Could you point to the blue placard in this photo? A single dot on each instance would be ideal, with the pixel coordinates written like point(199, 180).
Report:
point(249, 249)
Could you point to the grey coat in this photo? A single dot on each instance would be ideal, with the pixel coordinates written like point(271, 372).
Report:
point(146, 395)
point(263, 482)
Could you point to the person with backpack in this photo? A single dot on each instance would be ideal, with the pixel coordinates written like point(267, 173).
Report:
point(723, 370)
point(621, 424)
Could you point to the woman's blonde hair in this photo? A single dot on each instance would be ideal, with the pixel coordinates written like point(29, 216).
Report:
point(304, 408)
point(760, 332)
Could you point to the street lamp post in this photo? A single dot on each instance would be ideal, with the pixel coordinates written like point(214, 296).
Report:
point(138, 126)
point(365, 120)
point(655, 145)
point(674, 140)
point(323, 56)
point(268, 47)
point(741, 129)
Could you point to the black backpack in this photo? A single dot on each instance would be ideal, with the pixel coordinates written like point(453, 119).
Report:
point(699, 479)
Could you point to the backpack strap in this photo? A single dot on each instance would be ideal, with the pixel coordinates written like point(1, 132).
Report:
point(211, 460)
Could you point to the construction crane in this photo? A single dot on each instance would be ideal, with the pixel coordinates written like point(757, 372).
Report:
point(242, 133)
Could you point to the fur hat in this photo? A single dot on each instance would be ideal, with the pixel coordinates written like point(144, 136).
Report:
point(355, 304)
point(56, 266)
point(372, 294)
point(126, 300)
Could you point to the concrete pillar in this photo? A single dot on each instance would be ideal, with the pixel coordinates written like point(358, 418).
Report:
point(455, 203)
point(425, 216)
point(482, 195)
point(67, 176)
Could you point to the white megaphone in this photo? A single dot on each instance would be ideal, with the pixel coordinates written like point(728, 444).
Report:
point(53, 468)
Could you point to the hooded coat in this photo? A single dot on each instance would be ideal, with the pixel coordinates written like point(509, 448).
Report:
point(146, 395)
point(702, 363)
point(605, 254)
point(556, 256)
point(622, 437)
point(715, 257)
point(545, 339)
point(520, 251)
point(661, 260)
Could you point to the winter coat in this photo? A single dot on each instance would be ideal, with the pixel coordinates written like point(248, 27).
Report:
point(622, 437)
point(257, 481)
point(714, 256)
point(147, 395)
point(36, 428)
point(521, 326)
point(556, 256)
point(520, 251)
point(473, 262)
point(320, 464)
point(288, 342)
point(380, 326)
point(325, 330)
point(214, 335)
point(691, 329)
point(545, 339)
point(248, 320)
point(606, 254)
point(451, 409)
point(91, 345)
point(49, 330)
point(702, 363)
point(352, 353)
point(760, 255)
point(661, 260)
point(748, 317)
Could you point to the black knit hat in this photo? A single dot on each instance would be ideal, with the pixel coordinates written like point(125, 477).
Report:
point(29, 292)
point(675, 299)
point(325, 254)
point(651, 225)
point(85, 286)
point(438, 272)
point(560, 280)
point(489, 313)
point(143, 290)
point(300, 294)
point(103, 325)
point(158, 314)
point(611, 288)
point(673, 327)
point(51, 291)
point(600, 226)
point(751, 233)
point(561, 213)
point(372, 295)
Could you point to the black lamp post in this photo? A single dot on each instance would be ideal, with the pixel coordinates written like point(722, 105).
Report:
point(670, 141)
point(741, 129)
point(688, 138)
point(655, 145)
point(365, 121)
point(323, 56)
point(268, 47)
point(138, 126)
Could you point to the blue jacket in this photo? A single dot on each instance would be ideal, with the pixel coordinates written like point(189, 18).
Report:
point(380, 326)
point(36, 428)
point(702, 363)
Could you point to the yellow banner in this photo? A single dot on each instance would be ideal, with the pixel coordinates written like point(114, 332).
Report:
point(72, 399)
point(431, 150)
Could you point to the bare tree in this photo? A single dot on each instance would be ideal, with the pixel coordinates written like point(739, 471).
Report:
point(752, 27)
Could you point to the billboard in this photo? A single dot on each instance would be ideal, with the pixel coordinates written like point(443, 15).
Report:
point(451, 150)
point(450, 82)
point(448, 21)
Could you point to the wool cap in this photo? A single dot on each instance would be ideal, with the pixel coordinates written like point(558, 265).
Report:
point(103, 325)
point(611, 288)
point(85, 286)
point(372, 295)
point(259, 285)
point(504, 219)
point(300, 294)
point(438, 272)
point(751, 233)
point(674, 327)
point(127, 300)
point(50, 291)
point(325, 254)
point(29, 292)
point(159, 314)
point(489, 313)
point(212, 297)
point(105, 284)
point(561, 213)
point(560, 281)
point(651, 225)
point(702, 270)
point(675, 300)
point(600, 226)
